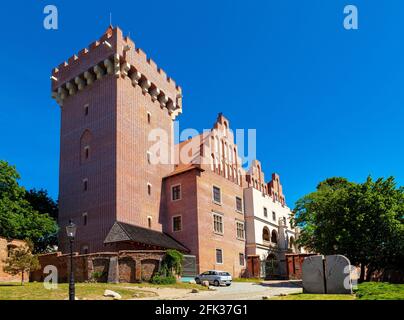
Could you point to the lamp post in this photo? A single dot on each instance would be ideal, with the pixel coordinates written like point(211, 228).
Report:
point(71, 233)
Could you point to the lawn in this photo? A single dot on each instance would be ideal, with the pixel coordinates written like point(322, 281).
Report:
point(85, 291)
point(365, 291)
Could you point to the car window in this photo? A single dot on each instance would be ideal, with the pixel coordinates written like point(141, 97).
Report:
point(224, 273)
point(205, 273)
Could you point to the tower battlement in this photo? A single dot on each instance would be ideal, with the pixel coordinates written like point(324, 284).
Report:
point(114, 54)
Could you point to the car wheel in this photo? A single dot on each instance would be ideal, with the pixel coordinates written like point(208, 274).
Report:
point(216, 283)
point(228, 284)
point(198, 281)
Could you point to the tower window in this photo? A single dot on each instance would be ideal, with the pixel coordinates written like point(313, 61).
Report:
point(149, 189)
point(148, 117)
point(176, 193)
point(87, 152)
point(177, 223)
point(273, 216)
point(149, 222)
point(85, 218)
point(86, 109)
point(85, 184)
point(148, 155)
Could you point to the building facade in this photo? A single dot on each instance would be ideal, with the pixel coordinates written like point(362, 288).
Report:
point(124, 194)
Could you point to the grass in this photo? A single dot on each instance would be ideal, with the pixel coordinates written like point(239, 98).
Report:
point(85, 291)
point(365, 291)
point(380, 291)
point(305, 296)
point(254, 280)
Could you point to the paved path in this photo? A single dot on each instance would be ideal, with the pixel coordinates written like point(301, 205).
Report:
point(248, 291)
point(237, 291)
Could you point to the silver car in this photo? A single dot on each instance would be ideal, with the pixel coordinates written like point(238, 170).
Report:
point(215, 277)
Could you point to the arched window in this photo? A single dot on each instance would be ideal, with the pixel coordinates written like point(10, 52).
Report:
point(85, 146)
point(265, 234)
point(291, 242)
point(274, 236)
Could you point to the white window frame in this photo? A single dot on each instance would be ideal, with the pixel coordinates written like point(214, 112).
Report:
point(241, 253)
point(216, 255)
point(242, 204)
point(213, 195)
point(213, 219)
point(172, 193)
point(240, 222)
point(177, 216)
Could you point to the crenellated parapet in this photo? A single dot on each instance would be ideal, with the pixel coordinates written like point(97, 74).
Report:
point(116, 55)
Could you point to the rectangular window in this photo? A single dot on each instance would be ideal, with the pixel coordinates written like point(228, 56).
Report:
point(177, 223)
point(273, 216)
point(217, 197)
point(265, 212)
point(176, 193)
point(85, 184)
point(219, 256)
point(149, 189)
point(218, 223)
point(86, 110)
point(85, 218)
point(240, 230)
point(241, 258)
point(239, 204)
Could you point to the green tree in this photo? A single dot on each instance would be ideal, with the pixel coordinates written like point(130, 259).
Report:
point(17, 217)
point(21, 260)
point(362, 221)
point(41, 201)
point(172, 263)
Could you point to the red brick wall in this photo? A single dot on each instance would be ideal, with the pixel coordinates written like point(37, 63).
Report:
point(5, 246)
point(134, 266)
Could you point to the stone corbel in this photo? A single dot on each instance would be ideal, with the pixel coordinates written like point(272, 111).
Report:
point(135, 76)
point(125, 69)
point(117, 65)
point(62, 93)
point(163, 100)
point(99, 72)
point(145, 85)
point(155, 92)
point(89, 77)
point(72, 88)
point(109, 65)
point(80, 83)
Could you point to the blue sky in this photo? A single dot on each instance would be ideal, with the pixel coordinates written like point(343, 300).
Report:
point(325, 101)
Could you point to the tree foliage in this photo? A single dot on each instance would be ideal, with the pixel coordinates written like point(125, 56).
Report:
point(172, 263)
point(363, 221)
point(21, 260)
point(18, 219)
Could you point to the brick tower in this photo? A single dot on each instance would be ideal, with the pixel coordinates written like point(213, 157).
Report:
point(111, 96)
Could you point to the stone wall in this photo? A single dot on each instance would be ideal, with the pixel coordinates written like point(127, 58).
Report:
point(132, 266)
point(5, 246)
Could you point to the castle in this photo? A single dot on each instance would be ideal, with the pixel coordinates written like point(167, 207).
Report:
point(112, 96)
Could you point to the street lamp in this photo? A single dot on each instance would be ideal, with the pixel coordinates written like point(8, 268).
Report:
point(71, 233)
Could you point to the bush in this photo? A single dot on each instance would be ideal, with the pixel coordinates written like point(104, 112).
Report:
point(159, 279)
